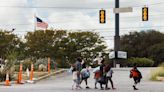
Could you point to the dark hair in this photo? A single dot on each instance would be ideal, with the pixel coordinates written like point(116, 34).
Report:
point(135, 65)
point(79, 59)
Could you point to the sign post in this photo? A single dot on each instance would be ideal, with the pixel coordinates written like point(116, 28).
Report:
point(116, 37)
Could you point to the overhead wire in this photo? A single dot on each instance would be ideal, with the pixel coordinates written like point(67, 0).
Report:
point(88, 8)
point(57, 7)
point(74, 7)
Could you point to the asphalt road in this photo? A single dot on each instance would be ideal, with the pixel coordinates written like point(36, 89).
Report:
point(63, 83)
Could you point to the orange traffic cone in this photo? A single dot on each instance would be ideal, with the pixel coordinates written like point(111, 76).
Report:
point(49, 62)
point(19, 81)
point(7, 82)
point(32, 72)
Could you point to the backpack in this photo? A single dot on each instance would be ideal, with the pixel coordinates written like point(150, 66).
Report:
point(85, 74)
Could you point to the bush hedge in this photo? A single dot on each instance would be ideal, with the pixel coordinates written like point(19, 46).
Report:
point(141, 62)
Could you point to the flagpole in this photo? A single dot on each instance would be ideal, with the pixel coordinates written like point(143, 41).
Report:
point(34, 22)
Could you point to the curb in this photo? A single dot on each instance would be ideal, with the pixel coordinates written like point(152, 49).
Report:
point(121, 69)
point(48, 75)
point(129, 68)
point(40, 78)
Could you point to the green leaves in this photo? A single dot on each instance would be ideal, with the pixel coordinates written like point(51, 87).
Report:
point(8, 42)
point(141, 62)
point(61, 44)
point(144, 44)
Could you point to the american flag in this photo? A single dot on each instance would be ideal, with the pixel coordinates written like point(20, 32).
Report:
point(41, 24)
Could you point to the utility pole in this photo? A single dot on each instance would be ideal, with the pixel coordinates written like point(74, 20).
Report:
point(116, 37)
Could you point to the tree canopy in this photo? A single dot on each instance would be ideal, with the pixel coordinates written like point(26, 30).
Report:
point(63, 45)
point(9, 42)
point(148, 44)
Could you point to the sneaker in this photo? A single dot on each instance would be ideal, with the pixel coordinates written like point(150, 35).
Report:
point(135, 88)
point(107, 88)
point(87, 87)
point(96, 88)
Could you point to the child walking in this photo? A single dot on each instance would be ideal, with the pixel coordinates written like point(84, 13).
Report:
point(75, 79)
point(85, 74)
point(136, 75)
point(96, 77)
point(109, 77)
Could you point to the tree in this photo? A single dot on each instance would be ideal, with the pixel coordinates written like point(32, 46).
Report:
point(8, 42)
point(144, 44)
point(157, 52)
point(40, 43)
point(63, 46)
point(82, 44)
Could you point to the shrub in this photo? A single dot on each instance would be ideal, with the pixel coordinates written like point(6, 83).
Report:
point(161, 65)
point(141, 62)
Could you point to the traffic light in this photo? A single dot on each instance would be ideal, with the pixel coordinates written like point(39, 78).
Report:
point(102, 16)
point(145, 15)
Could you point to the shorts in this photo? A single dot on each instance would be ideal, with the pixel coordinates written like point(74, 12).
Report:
point(136, 79)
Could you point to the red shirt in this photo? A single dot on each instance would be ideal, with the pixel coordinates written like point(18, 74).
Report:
point(97, 75)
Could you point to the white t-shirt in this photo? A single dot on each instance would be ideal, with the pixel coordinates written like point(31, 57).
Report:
point(74, 75)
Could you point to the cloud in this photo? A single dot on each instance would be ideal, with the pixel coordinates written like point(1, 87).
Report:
point(19, 18)
point(75, 14)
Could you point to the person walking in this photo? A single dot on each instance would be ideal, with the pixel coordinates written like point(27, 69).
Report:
point(96, 77)
point(103, 80)
point(109, 75)
point(74, 77)
point(78, 67)
point(85, 74)
point(136, 75)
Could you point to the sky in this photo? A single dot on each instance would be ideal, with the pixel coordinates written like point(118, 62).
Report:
point(80, 15)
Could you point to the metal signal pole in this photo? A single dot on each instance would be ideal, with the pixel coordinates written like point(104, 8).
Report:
point(116, 37)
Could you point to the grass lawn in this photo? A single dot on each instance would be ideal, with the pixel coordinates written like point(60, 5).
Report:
point(159, 72)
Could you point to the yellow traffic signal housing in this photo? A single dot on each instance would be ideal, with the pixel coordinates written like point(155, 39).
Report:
point(102, 16)
point(145, 15)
